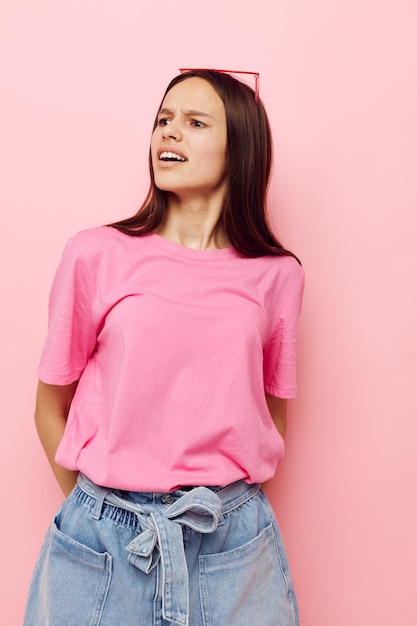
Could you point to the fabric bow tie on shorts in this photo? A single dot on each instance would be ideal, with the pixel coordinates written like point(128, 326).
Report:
point(162, 540)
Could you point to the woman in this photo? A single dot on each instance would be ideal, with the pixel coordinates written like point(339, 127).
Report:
point(164, 379)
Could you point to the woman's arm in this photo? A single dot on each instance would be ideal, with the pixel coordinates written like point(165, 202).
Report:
point(52, 407)
point(278, 409)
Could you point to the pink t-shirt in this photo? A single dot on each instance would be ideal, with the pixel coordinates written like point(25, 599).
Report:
point(174, 350)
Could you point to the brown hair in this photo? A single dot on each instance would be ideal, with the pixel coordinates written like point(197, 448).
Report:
point(248, 166)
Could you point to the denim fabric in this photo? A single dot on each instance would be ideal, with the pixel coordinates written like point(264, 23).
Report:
point(200, 557)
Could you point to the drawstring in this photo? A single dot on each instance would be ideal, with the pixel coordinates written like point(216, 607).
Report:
point(161, 538)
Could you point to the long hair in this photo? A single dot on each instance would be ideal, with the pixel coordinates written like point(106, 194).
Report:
point(248, 167)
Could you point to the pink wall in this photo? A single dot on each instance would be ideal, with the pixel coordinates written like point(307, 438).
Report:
point(79, 85)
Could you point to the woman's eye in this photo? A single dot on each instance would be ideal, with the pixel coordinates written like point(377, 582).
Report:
point(163, 121)
point(197, 124)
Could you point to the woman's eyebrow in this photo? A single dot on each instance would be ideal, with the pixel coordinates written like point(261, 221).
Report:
point(198, 113)
point(187, 113)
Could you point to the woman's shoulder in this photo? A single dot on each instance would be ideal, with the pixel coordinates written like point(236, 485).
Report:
point(96, 237)
point(284, 265)
point(101, 241)
point(98, 247)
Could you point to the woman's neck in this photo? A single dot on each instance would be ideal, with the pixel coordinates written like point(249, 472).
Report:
point(194, 224)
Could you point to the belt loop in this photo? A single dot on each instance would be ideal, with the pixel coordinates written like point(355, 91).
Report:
point(102, 493)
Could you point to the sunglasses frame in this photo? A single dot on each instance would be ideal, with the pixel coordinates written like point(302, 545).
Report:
point(254, 74)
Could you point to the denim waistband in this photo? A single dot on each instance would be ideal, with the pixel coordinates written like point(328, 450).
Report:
point(161, 540)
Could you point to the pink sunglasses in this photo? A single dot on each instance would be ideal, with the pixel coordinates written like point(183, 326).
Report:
point(254, 74)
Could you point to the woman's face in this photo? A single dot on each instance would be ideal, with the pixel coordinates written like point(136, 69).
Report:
point(188, 145)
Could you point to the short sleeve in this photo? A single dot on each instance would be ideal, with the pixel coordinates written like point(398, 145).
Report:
point(280, 358)
point(71, 334)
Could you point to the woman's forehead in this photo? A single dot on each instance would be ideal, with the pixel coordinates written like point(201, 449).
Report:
point(193, 94)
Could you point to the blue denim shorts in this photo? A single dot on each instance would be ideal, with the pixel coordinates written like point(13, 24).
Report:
point(195, 557)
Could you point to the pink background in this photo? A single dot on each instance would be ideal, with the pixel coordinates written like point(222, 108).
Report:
point(79, 85)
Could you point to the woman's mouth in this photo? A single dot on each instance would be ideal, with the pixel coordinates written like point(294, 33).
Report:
point(171, 156)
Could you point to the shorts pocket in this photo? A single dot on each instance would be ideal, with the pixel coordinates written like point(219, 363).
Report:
point(70, 583)
point(246, 586)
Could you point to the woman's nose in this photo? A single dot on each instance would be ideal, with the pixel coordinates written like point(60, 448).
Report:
point(171, 131)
